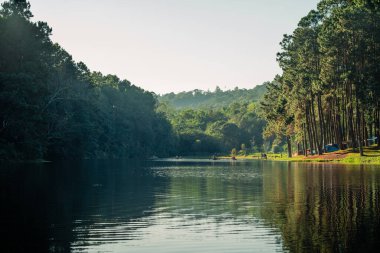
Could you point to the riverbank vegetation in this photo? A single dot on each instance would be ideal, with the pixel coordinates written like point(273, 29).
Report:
point(347, 156)
point(55, 108)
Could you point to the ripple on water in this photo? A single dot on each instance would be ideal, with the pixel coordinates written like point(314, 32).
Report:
point(193, 207)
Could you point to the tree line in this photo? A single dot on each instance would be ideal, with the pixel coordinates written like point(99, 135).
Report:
point(213, 99)
point(55, 108)
point(328, 93)
point(198, 131)
point(330, 86)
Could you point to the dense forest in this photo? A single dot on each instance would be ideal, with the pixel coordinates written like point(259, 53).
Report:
point(217, 99)
point(330, 86)
point(328, 93)
point(55, 108)
point(217, 122)
point(233, 128)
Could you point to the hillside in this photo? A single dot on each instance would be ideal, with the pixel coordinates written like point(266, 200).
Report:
point(216, 99)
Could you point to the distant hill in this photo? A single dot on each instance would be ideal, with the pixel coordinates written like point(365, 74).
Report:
point(216, 99)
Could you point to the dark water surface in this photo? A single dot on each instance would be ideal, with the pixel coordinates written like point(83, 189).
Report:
point(189, 206)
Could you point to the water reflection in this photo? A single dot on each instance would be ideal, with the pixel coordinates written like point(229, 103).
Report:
point(190, 206)
point(324, 208)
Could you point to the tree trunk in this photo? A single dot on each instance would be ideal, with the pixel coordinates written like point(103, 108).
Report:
point(351, 122)
point(321, 120)
point(308, 127)
point(377, 123)
point(298, 148)
point(289, 146)
point(304, 140)
point(365, 131)
point(315, 129)
point(358, 131)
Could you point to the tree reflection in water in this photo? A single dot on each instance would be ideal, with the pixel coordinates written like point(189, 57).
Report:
point(51, 208)
point(323, 207)
point(96, 204)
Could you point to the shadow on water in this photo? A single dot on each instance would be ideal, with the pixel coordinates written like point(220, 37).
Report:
point(170, 206)
point(51, 207)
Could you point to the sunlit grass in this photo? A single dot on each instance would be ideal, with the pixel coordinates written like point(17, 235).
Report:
point(348, 156)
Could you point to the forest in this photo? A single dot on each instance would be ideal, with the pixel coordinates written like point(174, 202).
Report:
point(329, 90)
point(234, 128)
point(54, 108)
point(199, 99)
point(218, 122)
point(328, 93)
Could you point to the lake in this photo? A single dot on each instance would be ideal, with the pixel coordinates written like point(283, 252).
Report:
point(189, 206)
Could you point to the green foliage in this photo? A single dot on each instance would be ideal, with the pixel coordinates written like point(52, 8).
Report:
point(54, 108)
point(276, 149)
point(198, 99)
point(329, 90)
point(207, 131)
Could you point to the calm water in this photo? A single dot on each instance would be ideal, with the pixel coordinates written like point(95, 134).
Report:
point(189, 206)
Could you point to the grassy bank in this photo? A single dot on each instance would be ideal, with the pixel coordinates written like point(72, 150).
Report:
point(349, 156)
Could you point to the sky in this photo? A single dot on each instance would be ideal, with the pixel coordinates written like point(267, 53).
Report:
point(175, 45)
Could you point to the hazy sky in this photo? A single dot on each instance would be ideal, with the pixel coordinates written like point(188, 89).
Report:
point(175, 45)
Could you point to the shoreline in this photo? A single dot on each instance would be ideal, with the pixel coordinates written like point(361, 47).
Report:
point(371, 157)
